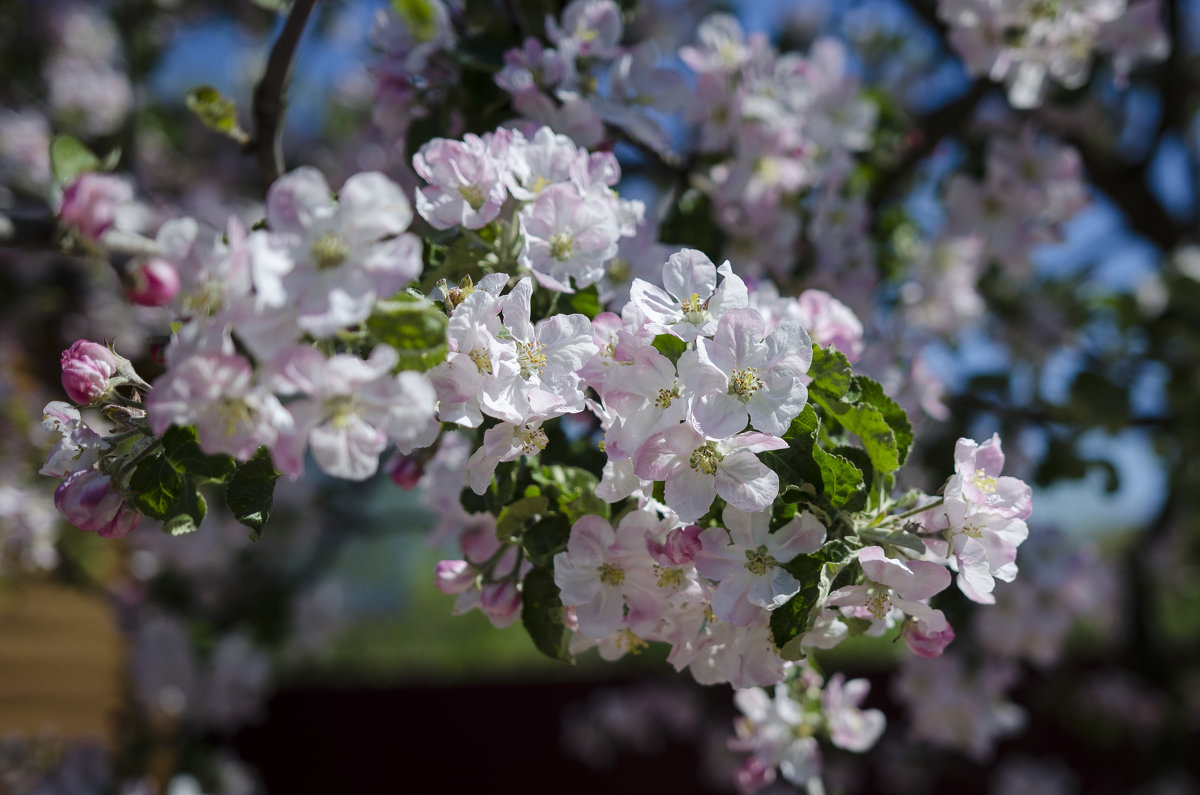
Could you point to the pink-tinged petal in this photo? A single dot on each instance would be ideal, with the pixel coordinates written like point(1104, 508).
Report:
point(771, 592)
point(740, 333)
point(879, 568)
point(803, 535)
point(590, 539)
point(731, 294)
point(729, 603)
point(719, 416)
point(299, 370)
point(700, 375)
point(924, 642)
point(717, 559)
point(372, 207)
point(689, 493)
point(664, 452)
point(928, 579)
point(660, 308)
point(297, 200)
point(753, 442)
point(974, 579)
point(603, 615)
point(349, 449)
point(689, 272)
point(745, 482)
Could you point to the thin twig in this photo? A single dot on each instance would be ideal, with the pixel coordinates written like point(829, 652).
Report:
point(270, 96)
point(930, 130)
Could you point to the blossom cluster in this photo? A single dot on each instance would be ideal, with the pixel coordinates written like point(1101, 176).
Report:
point(1026, 43)
point(719, 503)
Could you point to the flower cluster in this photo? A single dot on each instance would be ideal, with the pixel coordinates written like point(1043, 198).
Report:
point(1025, 43)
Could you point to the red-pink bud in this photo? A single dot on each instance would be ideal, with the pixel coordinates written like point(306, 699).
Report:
point(453, 576)
point(87, 500)
point(500, 600)
point(90, 203)
point(406, 471)
point(153, 282)
point(927, 644)
point(86, 369)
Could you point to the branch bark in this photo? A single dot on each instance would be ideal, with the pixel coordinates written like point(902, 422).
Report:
point(270, 96)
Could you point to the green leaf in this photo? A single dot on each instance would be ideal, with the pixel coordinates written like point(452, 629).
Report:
point(843, 481)
point(573, 489)
point(216, 111)
point(670, 346)
point(895, 538)
point(546, 538)
point(415, 327)
point(816, 572)
point(184, 452)
point(587, 302)
point(869, 424)
point(69, 158)
point(188, 512)
point(419, 16)
point(250, 494)
point(273, 5)
point(512, 519)
point(542, 613)
point(157, 486)
point(830, 371)
point(870, 391)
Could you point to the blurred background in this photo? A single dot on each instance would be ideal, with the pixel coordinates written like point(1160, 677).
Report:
point(321, 657)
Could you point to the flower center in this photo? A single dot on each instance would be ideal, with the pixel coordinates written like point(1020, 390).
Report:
point(695, 309)
point(666, 396)
point(472, 195)
point(705, 458)
point(984, 482)
point(533, 440)
point(759, 561)
point(611, 574)
point(878, 602)
point(340, 410)
point(562, 246)
point(669, 576)
point(483, 362)
point(530, 358)
point(330, 250)
point(236, 414)
point(744, 383)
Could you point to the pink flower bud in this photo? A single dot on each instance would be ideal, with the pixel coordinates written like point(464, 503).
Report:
point(86, 369)
point(927, 644)
point(154, 282)
point(90, 203)
point(453, 576)
point(87, 501)
point(500, 600)
point(753, 775)
point(406, 471)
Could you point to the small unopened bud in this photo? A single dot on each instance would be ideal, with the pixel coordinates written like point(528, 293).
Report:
point(87, 369)
point(406, 471)
point(153, 282)
point(89, 204)
point(501, 601)
point(927, 644)
point(453, 577)
point(88, 501)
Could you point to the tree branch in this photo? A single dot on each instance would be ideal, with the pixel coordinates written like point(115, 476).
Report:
point(929, 131)
point(270, 100)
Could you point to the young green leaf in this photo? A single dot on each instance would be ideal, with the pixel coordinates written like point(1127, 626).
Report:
point(250, 494)
point(542, 613)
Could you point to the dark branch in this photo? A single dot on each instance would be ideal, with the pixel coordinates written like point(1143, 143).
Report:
point(270, 100)
point(928, 132)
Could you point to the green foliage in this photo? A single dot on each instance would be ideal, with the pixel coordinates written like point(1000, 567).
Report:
point(185, 456)
point(542, 613)
point(825, 480)
point(689, 223)
point(587, 302)
point(816, 573)
point(414, 326)
point(419, 16)
point(510, 523)
point(69, 158)
point(216, 111)
point(670, 346)
point(830, 372)
point(250, 494)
